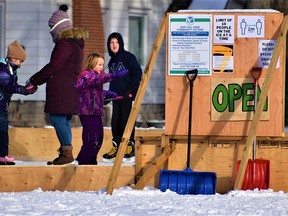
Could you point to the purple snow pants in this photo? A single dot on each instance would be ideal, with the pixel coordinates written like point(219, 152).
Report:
point(92, 138)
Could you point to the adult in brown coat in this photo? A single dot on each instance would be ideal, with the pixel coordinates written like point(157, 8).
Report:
point(60, 76)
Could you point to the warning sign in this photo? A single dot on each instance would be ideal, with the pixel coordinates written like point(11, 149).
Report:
point(266, 48)
point(224, 29)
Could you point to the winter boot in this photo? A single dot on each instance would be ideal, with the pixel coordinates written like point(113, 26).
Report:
point(7, 160)
point(87, 156)
point(129, 155)
point(65, 156)
point(110, 156)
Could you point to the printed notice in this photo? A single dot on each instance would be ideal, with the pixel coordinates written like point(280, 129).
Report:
point(223, 58)
point(251, 26)
point(224, 29)
point(266, 48)
point(189, 44)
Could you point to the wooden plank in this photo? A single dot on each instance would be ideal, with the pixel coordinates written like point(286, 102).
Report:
point(266, 85)
point(62, 178)
point(208, 153)
point(156, 165)
point(41, 144)
point(136, 105)
point(138, 158)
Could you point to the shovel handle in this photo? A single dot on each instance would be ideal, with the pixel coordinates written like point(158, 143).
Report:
point(192, 74)
point(256, 74)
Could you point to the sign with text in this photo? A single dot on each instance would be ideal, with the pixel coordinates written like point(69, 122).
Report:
point(189, 44)
point(223, 29)
point(223, 58)
point(232, 99)
point(266, 48)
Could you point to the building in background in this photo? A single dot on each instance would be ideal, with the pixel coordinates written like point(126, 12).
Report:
point(137, 20)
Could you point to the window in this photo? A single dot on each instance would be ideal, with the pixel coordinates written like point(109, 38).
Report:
point(137, 37)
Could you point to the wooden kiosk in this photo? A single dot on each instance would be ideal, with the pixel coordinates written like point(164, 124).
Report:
point(225, 46)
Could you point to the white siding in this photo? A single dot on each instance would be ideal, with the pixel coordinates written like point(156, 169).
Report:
point(27, 21)
point(115, 13)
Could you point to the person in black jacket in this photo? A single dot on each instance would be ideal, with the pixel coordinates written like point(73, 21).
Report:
point(127, 87)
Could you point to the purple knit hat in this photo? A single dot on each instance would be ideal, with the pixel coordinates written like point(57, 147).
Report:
point(59, 21)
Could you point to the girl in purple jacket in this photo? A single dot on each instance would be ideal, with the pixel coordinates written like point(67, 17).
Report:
point(90, 105)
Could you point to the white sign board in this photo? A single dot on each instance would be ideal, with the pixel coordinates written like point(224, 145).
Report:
point(223, 29)
point(251, 26)
point(189, 43)
point(266, 48)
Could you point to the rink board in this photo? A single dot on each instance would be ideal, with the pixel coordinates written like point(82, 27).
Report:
point(212, 154)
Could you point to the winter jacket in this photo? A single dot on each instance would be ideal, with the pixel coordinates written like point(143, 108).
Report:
point(61, 73)
point(8, 85)
point(124, 60)
point(90, 86)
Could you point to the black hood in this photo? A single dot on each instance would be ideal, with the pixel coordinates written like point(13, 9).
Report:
point(119, 37)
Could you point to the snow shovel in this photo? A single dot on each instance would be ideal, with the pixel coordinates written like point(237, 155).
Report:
point(188, 181)
point(257, 173)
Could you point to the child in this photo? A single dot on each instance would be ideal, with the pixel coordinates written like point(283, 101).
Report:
point(127, 88)
point(16, 55)
point(90, 105)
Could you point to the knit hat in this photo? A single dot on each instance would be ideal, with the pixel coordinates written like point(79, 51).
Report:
point(15, 50)
point(59, 21)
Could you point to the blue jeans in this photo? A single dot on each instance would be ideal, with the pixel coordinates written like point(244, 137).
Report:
point(62, 125)
point(4, 138)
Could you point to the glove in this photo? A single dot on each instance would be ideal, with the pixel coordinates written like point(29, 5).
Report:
point(108, 95)
point(29, 85)
point(30, 90)
point(120, 73)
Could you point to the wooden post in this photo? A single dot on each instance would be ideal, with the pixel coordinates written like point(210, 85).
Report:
point(157, 164)
point(136, 106)
point(266, 85)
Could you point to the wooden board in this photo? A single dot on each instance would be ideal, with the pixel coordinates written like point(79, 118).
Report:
point(63, 178)
point(41, 144)
point(208, 153)
point(245, 58)
point(220, 155)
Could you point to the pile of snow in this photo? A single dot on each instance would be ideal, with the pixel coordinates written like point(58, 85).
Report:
point(149, 201)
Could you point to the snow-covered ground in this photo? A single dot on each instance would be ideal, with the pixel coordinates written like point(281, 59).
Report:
point(149, 201)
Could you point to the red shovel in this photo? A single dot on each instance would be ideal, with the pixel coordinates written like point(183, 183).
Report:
point(257, 173)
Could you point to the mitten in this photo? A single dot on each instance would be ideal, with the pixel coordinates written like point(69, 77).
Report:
point(120, 73)
point(109, 94)
point(30, 90)
point(29, 85)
